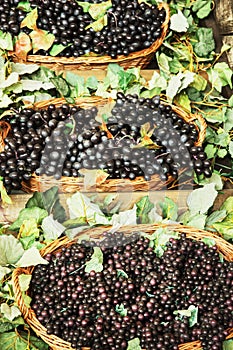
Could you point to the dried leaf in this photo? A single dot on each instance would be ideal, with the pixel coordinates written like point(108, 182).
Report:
point(23, 46)
point(30, 20)
point(41, 40)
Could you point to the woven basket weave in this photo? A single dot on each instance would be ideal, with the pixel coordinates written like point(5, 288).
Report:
point(73, 184)
point(56, 343)
point(135, 59)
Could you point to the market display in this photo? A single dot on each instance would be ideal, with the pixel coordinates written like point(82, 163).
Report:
point(141, 137)
point(104, 293)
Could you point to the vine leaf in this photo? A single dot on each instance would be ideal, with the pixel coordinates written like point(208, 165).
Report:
point(41, 39)
point(30, 20)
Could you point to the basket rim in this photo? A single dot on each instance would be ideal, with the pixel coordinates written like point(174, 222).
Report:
point(57, 343)
point(98, 60)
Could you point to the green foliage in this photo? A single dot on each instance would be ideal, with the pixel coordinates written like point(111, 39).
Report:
point(134, 344)
point(144, 206)
point(96, 262)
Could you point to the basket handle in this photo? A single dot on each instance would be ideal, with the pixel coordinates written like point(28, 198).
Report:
point(4, 130)
point(202, 128)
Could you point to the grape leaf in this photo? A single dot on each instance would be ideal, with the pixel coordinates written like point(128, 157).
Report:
point(179, 22)
point(225, 73)
point(11, 250)
point(48, 200)
point(6, 42)
point(10, 312)
point(144, 206)
point(56, 49)
point(10, 80)
point(85, 5)
point(169, 209)
point(24, 282)
point(93, 177)
point(30, 20)
point(120, 309)
point(222, 152)
point(5, 101)
point(195, 200)
point(98, 25)
point(6, 325)
point(19, 341)
point(22, 69)
point(41, 40)
point(3, 272)
point(24, 6)
point(31, 257)
point(61, 85)
point(191, 312)
point(23, 46)
point(28, 241)
point(197, 220)
point(52, 229)
point(92, 83)
point(228, 205)
point(160, 238)
point(4, 198)
point(210, 150)
point(205, 42)
point(26, 214)
point(231, 148)
point(96, 262)
point(134, 344)
point(202, 8)
point(216, 216)
point(35, 85)
point(29, 227)
point(124, 218)
point(98, 10)
point(209, 241)
point(228, 345)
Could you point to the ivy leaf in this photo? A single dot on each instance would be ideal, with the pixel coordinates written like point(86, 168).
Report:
point(26, 214)
point(169, 209)
point(179, 22)
point(195, 200)
point(24, 282)
point(225, 73)
point(5, 200)
point(56, 49)
point(31, 257)
point(134, 344)
point(96, 262)
point(30, 20)
point(98, 10)
point(29, 227)
point(52, 229)
point(144, 206)
point(23, 46)
point(10, 312)
point(98, 25)
point(6, 42)
point(205, 42)
point(120, 309)
point(41, 40)
point(210, 150)
point(11, 250)
point(24, 6)
point(93, 177)
point(222, 152)
point(49, 201)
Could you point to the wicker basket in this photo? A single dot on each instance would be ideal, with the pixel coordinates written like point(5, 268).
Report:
point(73, 184)
point(224, 247)
point(135, 59)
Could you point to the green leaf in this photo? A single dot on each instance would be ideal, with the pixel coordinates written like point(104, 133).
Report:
point(30, 20)
point(10, 312)
point(230, 101)
point(199, 83)
point(80, 206)
point(144, 206)
point(197, 220)
point(19, 341)
point(91, 83)
point(29, 227)
point(179, 22)
point(225, 73)
point(195, 200)
point(98, 25)
point(61, 86)
point(202, 7)
point(216, 216)
point(228, 205)
point(31, 257)
point(22, 68)
point(209, 241)
point(205, 42)
point(191, 312)
point(85, 5)
point(56, 49)
point(24, 282)
point(6, 42)
point(4, 198)
point(5, 101)
point(35, 85)
point(160, 238)
point(210, 150)
point(229, 119)
point(52, 229)
point(222, 152)
point(26, 214)
point(169, 209)
point(231, 148)
point(98, 10)
point(48, 200)
point(134, 344)
point(120, 309)
point(28, 241)
point(121, 273)
point(11, 250)
point(228, 345)
point(24, 6)
point(6, 325)
point(41, 40)
point(96, 262)
point(12, 79)
point(183, 100)
point(225, 228)
point(124, 218)
point(157, 81)
point(3, 272)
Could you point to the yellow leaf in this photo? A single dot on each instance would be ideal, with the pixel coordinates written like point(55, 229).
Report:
point(28, 228)
point(5, 199)
point(41, 40)
point(22, 46)
point(30, 20)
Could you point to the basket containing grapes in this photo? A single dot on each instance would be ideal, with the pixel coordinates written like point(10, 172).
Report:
point(147, 286)
point(142, 144)
point(89, 35)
